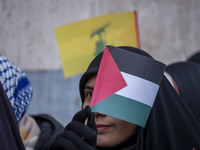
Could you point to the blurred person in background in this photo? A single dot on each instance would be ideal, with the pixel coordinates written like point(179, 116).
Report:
point(37, 131)
point(185, 78)
point(195, 57)
point(9, 131)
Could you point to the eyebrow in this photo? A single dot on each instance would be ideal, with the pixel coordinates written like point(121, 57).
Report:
point(88, 87)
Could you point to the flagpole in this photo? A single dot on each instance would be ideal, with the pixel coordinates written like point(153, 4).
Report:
point(86, 121)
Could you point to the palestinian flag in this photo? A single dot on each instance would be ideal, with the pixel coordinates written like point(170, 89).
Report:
point(126, 85)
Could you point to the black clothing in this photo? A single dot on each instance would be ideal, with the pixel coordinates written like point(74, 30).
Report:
point(187, 78)
point(50, 128)
point(171, 124)
point(77, 135)
point(9, 132)
point(195, 58)
point(127, 144)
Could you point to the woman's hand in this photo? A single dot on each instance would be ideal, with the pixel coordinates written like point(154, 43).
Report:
point(76, 134)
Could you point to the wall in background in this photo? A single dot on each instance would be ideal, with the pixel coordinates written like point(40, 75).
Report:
point(54, 95)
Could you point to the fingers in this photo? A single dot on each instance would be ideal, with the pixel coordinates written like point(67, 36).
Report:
point(76, 134)
point(63, 144)
point(83, 114)
point(91, 122)
point(76, 140)
point(82, 130)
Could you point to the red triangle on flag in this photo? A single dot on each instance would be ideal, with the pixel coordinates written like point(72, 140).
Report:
point(109, 79)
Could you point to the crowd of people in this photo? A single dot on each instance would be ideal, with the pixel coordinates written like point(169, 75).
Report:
point(173, 123)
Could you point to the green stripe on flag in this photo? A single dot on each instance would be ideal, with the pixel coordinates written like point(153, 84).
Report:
point(124, 108)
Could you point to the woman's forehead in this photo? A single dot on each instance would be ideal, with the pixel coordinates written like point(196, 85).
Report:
point(91, 82)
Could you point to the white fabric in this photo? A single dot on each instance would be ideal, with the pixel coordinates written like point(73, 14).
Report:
point(139, 89)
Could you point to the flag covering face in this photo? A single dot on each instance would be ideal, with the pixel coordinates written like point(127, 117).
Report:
point(126, 85)
point(80, 42)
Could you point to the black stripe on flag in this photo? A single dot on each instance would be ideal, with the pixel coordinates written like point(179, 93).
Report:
point(142, 66)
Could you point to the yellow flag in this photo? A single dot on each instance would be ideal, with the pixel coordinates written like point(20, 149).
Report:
point(80, 42)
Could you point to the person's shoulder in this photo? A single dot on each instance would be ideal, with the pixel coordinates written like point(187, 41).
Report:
point(49, 127)
point(47, 118)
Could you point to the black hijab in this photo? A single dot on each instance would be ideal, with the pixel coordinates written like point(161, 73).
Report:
point(195, 57)
point(174, 120)
point(187, 78)
point(9, 131)
point(171, 124)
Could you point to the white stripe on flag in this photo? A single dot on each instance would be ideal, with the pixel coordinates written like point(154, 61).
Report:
point(139, 89)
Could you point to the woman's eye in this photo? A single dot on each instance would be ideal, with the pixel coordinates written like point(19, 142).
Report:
point(88, 95)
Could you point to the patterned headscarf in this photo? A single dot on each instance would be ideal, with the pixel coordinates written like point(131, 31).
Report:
point(16, 86)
